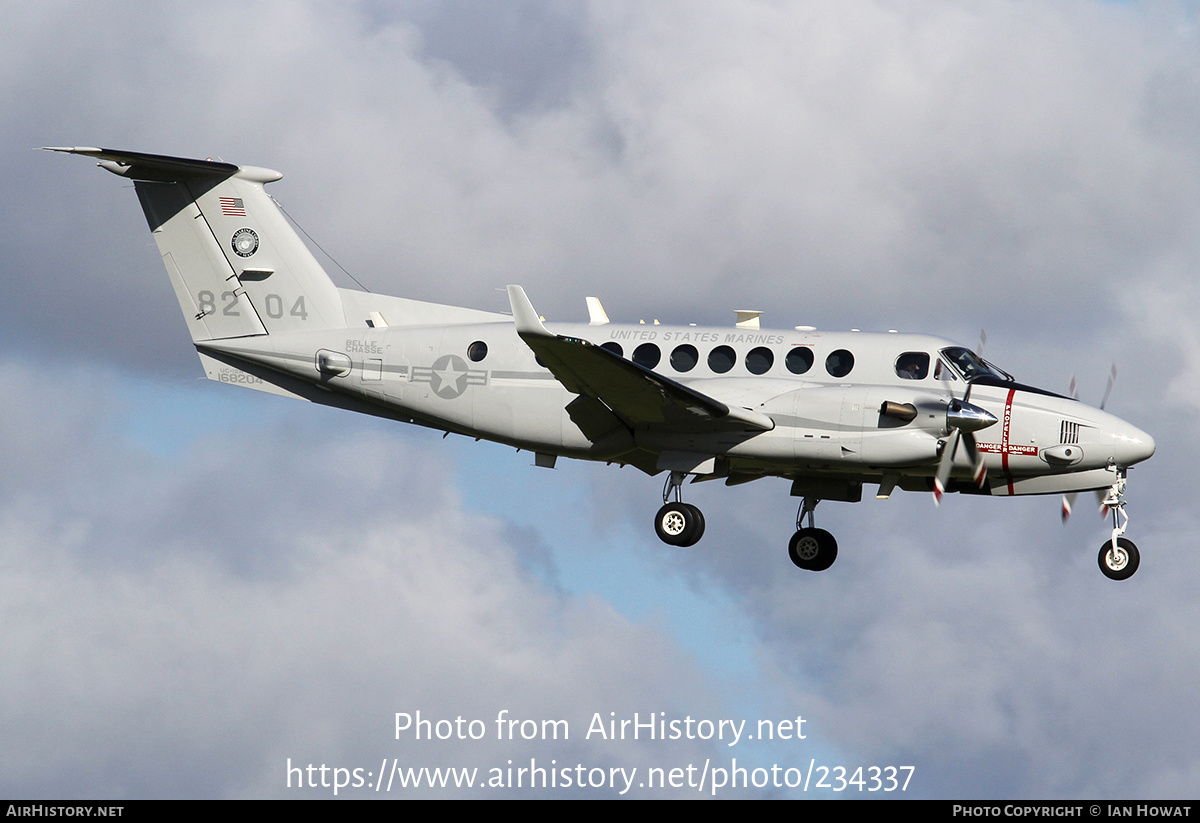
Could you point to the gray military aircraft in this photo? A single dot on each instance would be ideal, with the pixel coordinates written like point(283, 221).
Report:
point(829, 411)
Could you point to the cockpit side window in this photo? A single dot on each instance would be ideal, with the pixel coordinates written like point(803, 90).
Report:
point(913, 365)
point(970, 365)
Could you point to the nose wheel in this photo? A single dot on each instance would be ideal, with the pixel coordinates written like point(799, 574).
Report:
point(1120, 560)
point(678, 523)
point(1119, 557)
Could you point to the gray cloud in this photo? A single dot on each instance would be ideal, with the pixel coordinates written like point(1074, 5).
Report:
point(181, 628)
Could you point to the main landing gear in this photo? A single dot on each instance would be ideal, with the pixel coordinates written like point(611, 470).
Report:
point(1119, 556)
point(682, 524)
point(678, 523)
point(810, 548)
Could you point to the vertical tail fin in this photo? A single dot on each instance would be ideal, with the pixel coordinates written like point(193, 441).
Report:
point(237, 266)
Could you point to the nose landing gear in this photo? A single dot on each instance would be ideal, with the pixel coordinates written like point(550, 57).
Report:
point(1119, 557)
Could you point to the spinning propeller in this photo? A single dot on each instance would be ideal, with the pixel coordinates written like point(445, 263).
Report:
point(1068, 500)
point(963, 419)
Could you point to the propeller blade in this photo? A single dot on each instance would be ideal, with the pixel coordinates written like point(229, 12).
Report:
point(979, 468)
point(1112, 378)
point(1068, 503)
point(1074, 390)
point(945, 464)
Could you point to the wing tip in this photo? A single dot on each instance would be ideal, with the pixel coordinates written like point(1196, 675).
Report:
point(524, 315)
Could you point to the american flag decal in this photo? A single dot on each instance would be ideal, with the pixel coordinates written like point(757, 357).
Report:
point(232, 206)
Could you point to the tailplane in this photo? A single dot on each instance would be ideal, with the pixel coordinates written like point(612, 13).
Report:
point(237, 266)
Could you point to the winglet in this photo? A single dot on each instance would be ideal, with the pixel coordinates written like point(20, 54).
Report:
point(524, 315)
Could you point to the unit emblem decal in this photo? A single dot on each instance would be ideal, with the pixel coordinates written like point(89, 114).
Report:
point(245, 242)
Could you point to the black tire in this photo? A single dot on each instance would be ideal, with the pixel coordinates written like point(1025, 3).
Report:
point(675, 524)
point(697, 529)
point(813, 550)
point(1123, 564)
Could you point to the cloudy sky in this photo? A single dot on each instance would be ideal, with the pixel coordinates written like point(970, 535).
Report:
point(198, 584)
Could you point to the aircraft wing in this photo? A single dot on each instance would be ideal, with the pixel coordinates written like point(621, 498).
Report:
point(640, 397)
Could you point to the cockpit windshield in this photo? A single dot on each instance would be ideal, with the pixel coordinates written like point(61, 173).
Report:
point(971, 366)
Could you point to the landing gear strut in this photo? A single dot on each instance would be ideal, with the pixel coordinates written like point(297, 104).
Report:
point(1119, 556)
point(678, 523)
point(811, 548)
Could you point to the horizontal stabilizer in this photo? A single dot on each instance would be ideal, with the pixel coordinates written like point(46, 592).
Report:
point(177, 166)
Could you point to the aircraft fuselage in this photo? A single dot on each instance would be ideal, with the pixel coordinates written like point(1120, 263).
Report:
point(480, 379)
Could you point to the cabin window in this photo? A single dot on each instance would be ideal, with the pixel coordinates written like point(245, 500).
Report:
point(759, 360)
point(839, 363)
point(721, 359)
point(799, 360)
point(647, 355)
point(477, 351)
point(684, 358)
point(913, 365)
point(615, 348)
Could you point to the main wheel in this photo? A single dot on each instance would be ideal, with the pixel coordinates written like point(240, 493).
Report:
point(813, 549)
point(693, 537)
point(679, 524)
point(1119, 564)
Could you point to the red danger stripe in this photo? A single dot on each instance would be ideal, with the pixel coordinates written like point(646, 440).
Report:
point(1004, 439)
point(1004, 448)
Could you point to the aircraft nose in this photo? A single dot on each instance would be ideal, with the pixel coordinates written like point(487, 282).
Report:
point(1131, 445)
